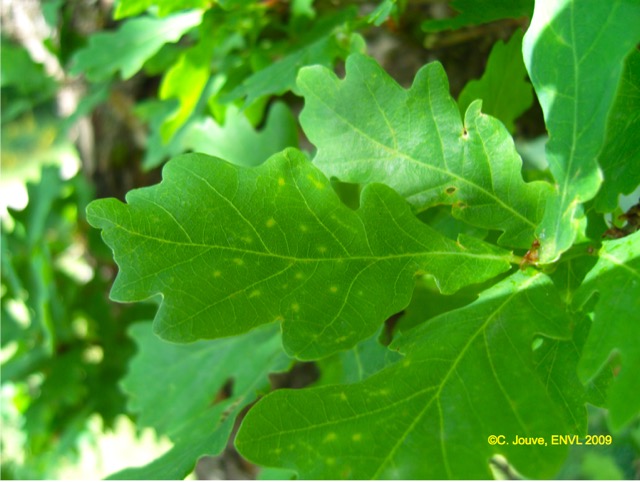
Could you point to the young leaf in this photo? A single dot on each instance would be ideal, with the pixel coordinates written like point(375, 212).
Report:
point(620, 157)
point(503, 89)
point(575, 66)
point(233, 248)
point(179, 391)
point(474, 12)
point(135, 41)
point(616, 326)
point(468, 374)
point(369, 129)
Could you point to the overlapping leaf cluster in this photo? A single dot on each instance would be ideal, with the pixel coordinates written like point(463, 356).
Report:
point(232, 248)
point(270, 255)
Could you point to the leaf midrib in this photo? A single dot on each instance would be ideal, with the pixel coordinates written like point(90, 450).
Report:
point(506, 257)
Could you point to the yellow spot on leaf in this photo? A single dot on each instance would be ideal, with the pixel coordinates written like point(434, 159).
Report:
point(322, 249)
point(254, 293)
point(295, 307)
point(304, 228)
point(316, 183)
point(217, 273)
point(299, 275)
point(333, 289)
point(356, 437)
point(270, 222)
point(281, 181)
point(330, 461)
point(343, 396)
point(330, 437)
point(238, 261)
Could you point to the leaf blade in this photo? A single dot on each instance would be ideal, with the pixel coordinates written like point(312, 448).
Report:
point(503, 89)
point(138, 39)
point(620, 157)
point(436, 407)
point(169, 390)
point(415, 142)
point(567, 61)
point(615, 329)
point(303, 258)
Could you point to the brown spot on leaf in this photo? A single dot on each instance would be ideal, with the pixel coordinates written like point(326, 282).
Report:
point(531, 257)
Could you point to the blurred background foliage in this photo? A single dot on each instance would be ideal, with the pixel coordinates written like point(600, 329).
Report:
point(97, 94)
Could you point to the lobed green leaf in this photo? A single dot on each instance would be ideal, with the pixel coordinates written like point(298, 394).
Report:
point(505, 93)
point(369, 129)
point(238, 142)
point(468, 374)
point(233, 248)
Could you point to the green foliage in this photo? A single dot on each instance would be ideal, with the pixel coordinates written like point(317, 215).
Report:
point(438, 295)
point(128, 8)
point(23, 81)
point(503, 89)
point(620, 156)
point(302, 258)
point(387, 9)
point(415, 142)
point(67, 349)
point(166, 378)
point(616, 278)
point(133, 44)
point(473, 12)
point(458, 384)
point(568, 60)
point(320, 46)
point(238, 142)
